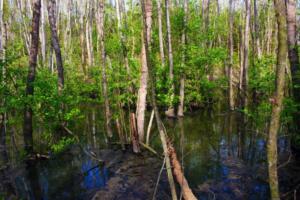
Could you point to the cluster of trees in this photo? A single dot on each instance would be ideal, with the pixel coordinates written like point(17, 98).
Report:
point(188, 53)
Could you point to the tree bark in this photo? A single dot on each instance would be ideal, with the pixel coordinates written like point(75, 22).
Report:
point(153, 102)
point(3, 74)
point(100, 28)
point(244, 88)
point(142, 92)
point(274, 127)
point(88, 34)
point(42, 34)
point(230, 74)
point(256, 31)
point(170, 112)
point(293, 54)
point(160, 33)
point(27, 126)
point(55, 45)
point(182, 75)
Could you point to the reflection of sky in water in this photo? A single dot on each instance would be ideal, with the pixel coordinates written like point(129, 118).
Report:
point(94, 178)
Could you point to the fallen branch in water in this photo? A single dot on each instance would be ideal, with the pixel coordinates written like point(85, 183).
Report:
point(177, 171)
point(90, 154)
point(149, 148)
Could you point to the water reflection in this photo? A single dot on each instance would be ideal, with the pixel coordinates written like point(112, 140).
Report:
point(221, 153)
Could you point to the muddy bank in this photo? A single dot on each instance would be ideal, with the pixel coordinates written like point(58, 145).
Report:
point(133, 176)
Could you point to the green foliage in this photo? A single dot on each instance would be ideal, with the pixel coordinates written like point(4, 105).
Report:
point(62, 144)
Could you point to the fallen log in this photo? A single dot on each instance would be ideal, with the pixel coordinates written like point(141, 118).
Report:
point(179, 176)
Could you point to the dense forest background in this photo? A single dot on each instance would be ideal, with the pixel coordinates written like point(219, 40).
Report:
point(172, 56)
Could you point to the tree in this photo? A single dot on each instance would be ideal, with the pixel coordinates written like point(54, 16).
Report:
point(231, 17)
point(182, 75)
point(27, 126)
point(100, 29)
point(278, 96)
point(142, 92)
point(293, 54)
point(160, 33)
point(3, 74)
point(244, 71)
point(170, 112)
point(55, 44)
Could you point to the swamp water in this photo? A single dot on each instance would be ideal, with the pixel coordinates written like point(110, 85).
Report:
point(222, 159)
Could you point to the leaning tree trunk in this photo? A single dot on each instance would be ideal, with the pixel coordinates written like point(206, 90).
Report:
point(142, 93)
point(230, 74)
point(100, 29)
point(277, 98)
point(170, 112)
point(27, 126)
point(182, 75)
point(293, 54)
point(153, 102)
point(55, 45)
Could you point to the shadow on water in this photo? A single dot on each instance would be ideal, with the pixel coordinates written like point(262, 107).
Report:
point(223, 156)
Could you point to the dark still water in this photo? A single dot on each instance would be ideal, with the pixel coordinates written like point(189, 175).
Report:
point(223, 158)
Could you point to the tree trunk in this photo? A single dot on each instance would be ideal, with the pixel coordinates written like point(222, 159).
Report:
point(160, 33)
point(43, 34)
point(68, 32)
point(100, 28)
point(3, 75)
point(182, 75)
point(244, 89)
point(170, 112)
point(274, 127)
point(293, 54)
point(231, 18)
point(88, 34)
point(153, 102)
point(256, 31)
point(55, 45)
point(27, 126)
point(25, 31)
point(142, 93)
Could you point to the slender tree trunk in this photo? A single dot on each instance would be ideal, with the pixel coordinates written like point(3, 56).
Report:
point(256, 31)
point(153, 102)
point(42, 34)
point(230, 74)
point(142, 93)
point(55, 44)
point(160, 33)
point(27, 126)
point(83, 52)
point(274, 127)
point(293, 54)
point(68, 32)
point(170, 112)
point(244, 90)
point(100, 28)
point(3, 76)
point(88, 34)
point(182, 75)
point(25, 31)
point(269, 30)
